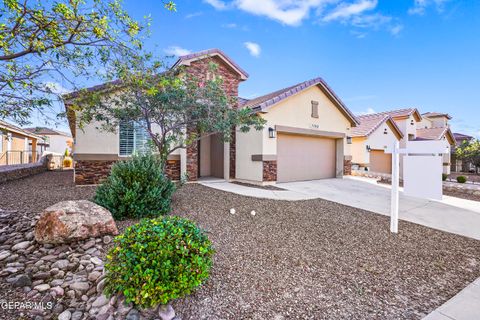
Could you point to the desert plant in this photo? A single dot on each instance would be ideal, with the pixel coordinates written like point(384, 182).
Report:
point(158, 260)
point(461, 179)
point(136, 188)
point(444, 176)
point(67, 162)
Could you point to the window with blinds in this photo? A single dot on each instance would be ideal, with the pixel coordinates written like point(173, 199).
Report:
point(134, 138)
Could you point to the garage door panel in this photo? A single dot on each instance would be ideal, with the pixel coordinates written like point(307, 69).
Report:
point(305, 158)
point(380, 161)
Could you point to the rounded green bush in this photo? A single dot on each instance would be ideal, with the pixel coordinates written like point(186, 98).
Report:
point(461, 179)
point(444, 176)
point(158, 260)
point(136, 188)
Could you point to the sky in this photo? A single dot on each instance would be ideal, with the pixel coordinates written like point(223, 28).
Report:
point(377, 55)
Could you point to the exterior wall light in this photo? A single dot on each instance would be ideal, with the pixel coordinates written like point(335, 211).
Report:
point(368, 148)
point(349, 140)
point(272, 133)
point(385, 131)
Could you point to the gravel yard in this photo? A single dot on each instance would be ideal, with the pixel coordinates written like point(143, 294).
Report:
point(310, 259)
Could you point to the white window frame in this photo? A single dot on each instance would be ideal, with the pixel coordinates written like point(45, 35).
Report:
point(136, 126)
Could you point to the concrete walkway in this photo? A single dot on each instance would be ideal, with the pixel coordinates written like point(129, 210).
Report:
point(453, 215)
point(464, 306)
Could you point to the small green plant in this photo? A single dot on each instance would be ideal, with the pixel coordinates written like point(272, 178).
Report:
point(158, 260)
point(136, 188)
point(461, 179)
point(444, 176)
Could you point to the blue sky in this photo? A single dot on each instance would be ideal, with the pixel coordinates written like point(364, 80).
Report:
point(376, 54)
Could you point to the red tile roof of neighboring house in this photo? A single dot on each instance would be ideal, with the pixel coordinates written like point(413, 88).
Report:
point(402, 113)
point(13, 128)
point(263, 103)
point(435, 134)
point(211, 52)
point(46, 131)
point(461, 136)
point(371, 122)
point(436, 114)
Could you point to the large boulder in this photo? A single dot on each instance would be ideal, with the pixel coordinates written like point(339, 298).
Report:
point(69, 221)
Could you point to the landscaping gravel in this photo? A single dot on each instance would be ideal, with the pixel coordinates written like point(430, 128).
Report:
point(310, 259)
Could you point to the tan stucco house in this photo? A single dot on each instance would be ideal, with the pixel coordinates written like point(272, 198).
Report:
point(306, 136)
point(375, 133)
point(17, 146)
point(55, 141)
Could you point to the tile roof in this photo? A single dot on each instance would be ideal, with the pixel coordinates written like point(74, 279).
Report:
point(10, 127)
point(264, 102)
point(461, 136)
point(435, 134)
point(211, 52)
point(398, 113)
point(436, 114)
point(46, 131)
point(371, 122)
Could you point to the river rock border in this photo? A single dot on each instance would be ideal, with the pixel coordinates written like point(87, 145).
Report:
point(68, 280)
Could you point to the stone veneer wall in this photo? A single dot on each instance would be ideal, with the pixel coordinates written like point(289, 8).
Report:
point(9, 173)
point(89, 172)
point(347, 167)
point(231, 80)
point(269, 171)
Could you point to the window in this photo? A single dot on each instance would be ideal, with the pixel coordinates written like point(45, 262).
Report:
point(314, 109)
point(133, 138)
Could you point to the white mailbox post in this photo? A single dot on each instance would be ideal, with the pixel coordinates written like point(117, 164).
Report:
point(422, 169)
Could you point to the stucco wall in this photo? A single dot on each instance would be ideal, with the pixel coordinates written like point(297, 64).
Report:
point(296, 111)
point(359, 150)
point(58, 143)
point(377, 141)
point(248, 144)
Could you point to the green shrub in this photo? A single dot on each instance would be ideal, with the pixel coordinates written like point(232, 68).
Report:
point(158, 260)
point(444, 176)
point(136, 188)
point(461, 179)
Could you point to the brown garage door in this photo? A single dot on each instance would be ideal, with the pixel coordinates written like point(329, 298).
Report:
point(380, 161)
point(305, 158)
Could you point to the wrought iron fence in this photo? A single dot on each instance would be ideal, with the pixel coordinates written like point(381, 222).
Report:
point(14, 157)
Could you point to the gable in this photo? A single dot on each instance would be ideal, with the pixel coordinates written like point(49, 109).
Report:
point(296, 111)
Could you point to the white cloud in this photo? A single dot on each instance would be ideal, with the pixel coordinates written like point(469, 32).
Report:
point(420, 6)
point(368, 111)
point(347, 10)
point(193, 15)
point(217, 4)
point(177, 51)
point(395, 30)
point(55, 87)
point(253, 48)
point(230, 25)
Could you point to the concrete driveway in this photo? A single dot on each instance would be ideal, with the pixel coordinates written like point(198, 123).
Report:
point(451, 214)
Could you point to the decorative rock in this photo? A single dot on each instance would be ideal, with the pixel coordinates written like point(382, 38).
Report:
point(5, 254)
point(60, 264)
point(69, 221)
point(96, 261)
point(232, 211)
point(77, 315)
point(133, 315)
point(100, 301)
point(89, 244)
point(58, 291)
point(65, 315)
point(253, 213)
point(42, 287)
point(107, 239)
point(21, 245)
point(80, 286)
point(166, 312)
point(22, 281)
point(101, 286)
point(94, 275)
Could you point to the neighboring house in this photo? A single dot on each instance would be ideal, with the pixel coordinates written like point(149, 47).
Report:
point(305, 137)
point(435, 126)
point(15, 145)
point(53, 140)
point(375, 133)
point(459, 165)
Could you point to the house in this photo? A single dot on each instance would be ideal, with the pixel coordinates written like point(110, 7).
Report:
point(15, 145)
point(375, 133)
point(53, 140)
point(459, 165)
point(305, 137)
point(435, 126)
